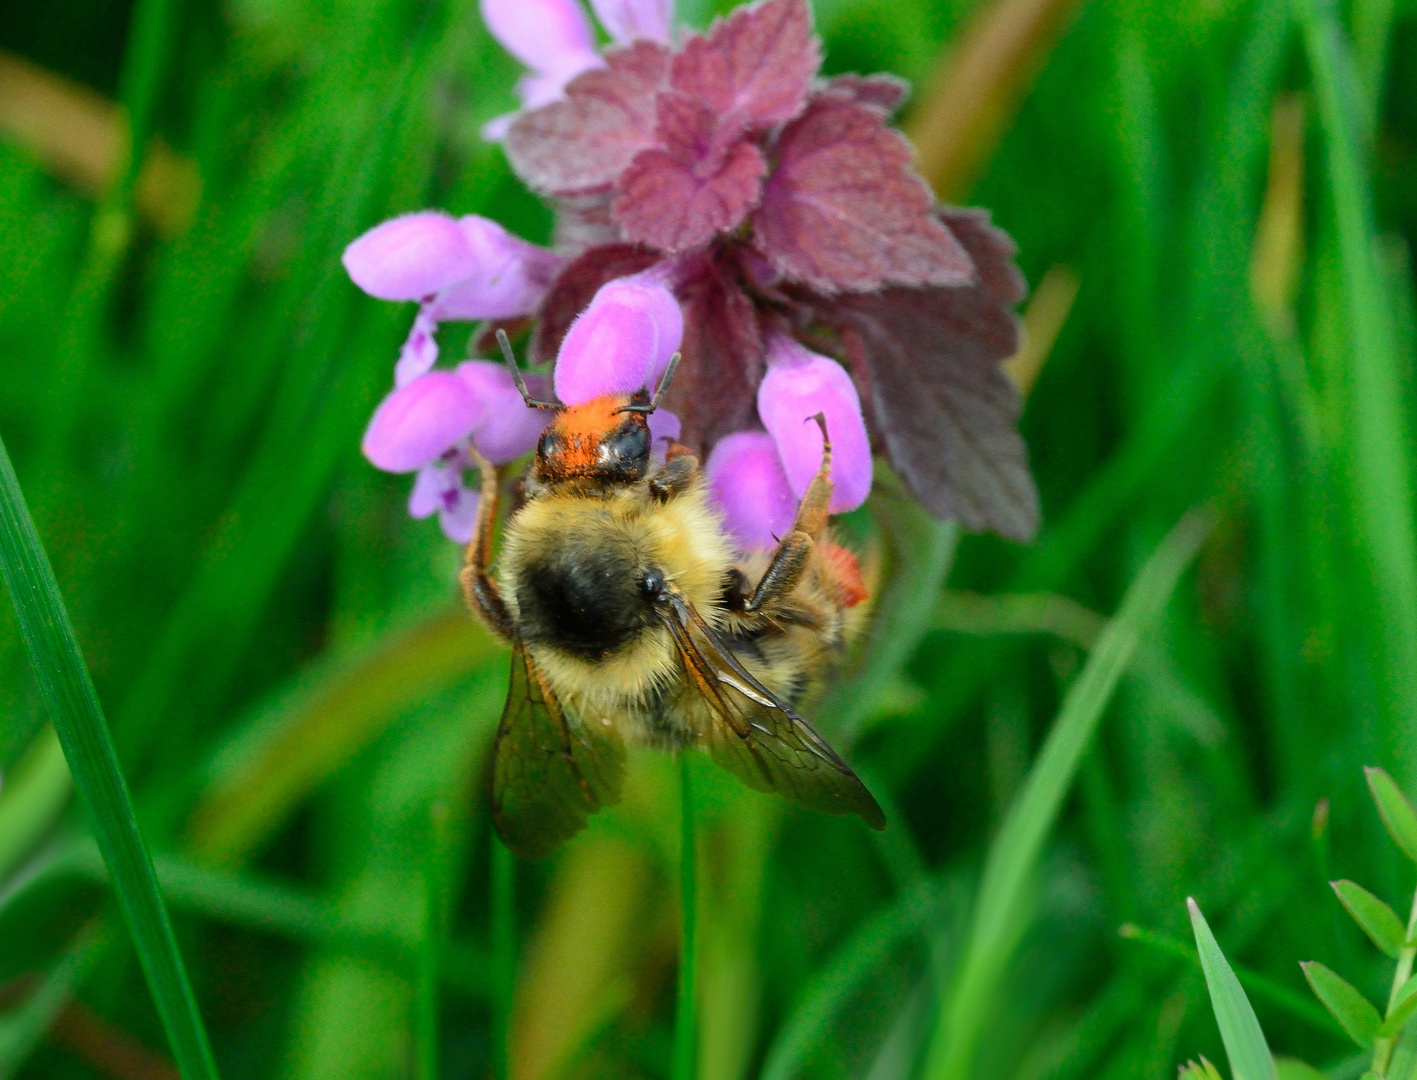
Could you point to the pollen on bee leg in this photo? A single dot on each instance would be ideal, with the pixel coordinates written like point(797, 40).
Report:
point(845, 571)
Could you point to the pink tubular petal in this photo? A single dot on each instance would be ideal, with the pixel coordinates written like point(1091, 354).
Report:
point(747, 482)
point(798, 385)
point(410, 257)
point(546, 35)
point(622, 342)
point(458, 516)
point(509, 278)
point(420, 350)
point(420, 421)
point(626, 20)
point(429, 486)
point(508, 429)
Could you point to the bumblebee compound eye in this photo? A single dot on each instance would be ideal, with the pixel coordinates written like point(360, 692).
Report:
point(652, 585)
point(626, 449)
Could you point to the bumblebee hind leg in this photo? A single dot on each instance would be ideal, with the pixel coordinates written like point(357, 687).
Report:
point(789, 561)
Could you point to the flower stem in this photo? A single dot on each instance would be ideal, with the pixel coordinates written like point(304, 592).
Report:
point(504, 952)
point(1382, 1048)
point(685, 1014)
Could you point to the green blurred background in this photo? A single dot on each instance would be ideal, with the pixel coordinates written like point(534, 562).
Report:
point(1215, 201)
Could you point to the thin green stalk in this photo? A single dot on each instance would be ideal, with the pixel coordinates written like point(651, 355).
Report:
point(1382, 1048)
point(686, 1042)
point(1000, 905)
point(69, 697)
point(504, 952)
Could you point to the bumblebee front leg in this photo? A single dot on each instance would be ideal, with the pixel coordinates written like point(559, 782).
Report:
point(483, 596)
point(789, 561)
point(679, 472)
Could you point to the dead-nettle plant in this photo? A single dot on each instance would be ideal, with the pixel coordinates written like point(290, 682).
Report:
point(1394, 1055)
point(781, 217)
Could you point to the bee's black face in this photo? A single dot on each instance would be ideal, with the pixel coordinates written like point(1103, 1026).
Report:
point(587, 600)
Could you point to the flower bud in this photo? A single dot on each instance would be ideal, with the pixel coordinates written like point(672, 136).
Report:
point(622, 342)
point(747, 481)
point(798, 385)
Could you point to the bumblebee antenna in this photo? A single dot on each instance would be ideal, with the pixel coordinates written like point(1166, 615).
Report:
point(511, 358)
point(664, 381)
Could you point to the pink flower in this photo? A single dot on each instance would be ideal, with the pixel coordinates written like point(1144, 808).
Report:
point(552, 38)
point(798, 385)
point(465, 268)
point(426, 425)
point(622, 341)
point(747, 482)
point(628, 20)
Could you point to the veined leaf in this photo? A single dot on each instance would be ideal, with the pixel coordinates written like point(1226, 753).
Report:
point(1349, 1008)
point(1376, 919)
point(1404, 1004)
point(1245, 1044)
point(1395, 810)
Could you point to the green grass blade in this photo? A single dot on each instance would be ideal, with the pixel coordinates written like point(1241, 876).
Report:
point(504, 953)
point(69, 696)
point(999, 904)
point(831, 988)
point(1255, 984)
point(33, 798)
point(1245, 1044)
point(1382, 489)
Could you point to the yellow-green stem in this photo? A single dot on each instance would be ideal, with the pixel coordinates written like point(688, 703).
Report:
point(1382, 1048)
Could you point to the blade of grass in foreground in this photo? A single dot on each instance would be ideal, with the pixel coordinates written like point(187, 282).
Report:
point(73, 707)
point(999, 905)
point(1245, 1044)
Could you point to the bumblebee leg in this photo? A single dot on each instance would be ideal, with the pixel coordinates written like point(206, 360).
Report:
point(678, 473)
point(789, 561)
point(483, 596)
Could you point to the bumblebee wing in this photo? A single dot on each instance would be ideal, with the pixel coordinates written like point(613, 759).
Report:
point(550, 771)
point(756, 735)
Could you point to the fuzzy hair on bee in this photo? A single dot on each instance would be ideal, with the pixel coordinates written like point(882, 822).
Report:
point(634, 620)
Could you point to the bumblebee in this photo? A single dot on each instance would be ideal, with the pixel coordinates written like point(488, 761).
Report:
point(633, 619)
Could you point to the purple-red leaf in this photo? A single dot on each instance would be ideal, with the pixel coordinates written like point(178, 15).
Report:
point(699, 182)
point(929, 362)
point(754, 68)
point(572, 290)
point(990, 249)
point(584, 142)
point(584, 222)
point(715, 390)
point(885, 93)
point(844, 209)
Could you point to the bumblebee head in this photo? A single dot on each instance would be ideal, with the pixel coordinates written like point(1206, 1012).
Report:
point(606, 439)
